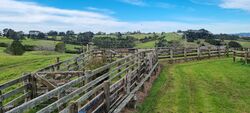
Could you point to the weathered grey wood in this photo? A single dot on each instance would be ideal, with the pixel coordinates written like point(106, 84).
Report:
point(13, 92)
point(68, 97)
point(13, 82)
point(132, 94)
point(107, 95)
point(13, 103)
point(45, 97)
point(98, 109)
point(46, 82)
point(92, 102)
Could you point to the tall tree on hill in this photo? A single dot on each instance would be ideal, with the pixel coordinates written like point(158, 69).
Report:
point(16, 47)
point(61, 33)
point(5, 31)
point(70, 32)
point(85, 38)
point(192, 35)
point(52, 33)
point(162, 42)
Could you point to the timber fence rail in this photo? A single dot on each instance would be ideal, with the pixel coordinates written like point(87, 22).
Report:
point(192, 53)
point(243, 54)
point(105, 89)
point(24, 88)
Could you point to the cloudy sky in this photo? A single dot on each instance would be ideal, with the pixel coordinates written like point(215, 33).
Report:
point(218, 16)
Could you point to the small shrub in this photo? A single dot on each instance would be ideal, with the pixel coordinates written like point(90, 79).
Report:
point(16, 48)
point(60, 47)
point(234, 44)
point(2, 44)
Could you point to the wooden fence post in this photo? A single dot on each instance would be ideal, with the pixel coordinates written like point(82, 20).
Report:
point(33, 87)
point(57, 61)
point(26, 82)
point(185, 53)
point(218, 50)
point(234, 56)
point(198, 53)
point(107, 95)
point(209, 52)
point(171, 53)
point(246, 55)
point(227, 51)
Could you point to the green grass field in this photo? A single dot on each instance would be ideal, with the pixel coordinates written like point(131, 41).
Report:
point(39, 43)
point(245, 44)
point(150, 44)
point(12, 67)
point(210, 86)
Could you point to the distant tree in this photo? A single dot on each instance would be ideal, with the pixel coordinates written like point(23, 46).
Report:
point(41, 36)
point(85, 38)
point(234, 44)
point(16, 48)
point(226, 37)
point(100, 33)
point(11, 34)
point(1, 33)
point(118, 34)
point(214, 42)
point(162, 42)
point(192, 35)
point(60, 47)
point(5, 31)
point(61, 33)
point(174, 44)
point(114, 42)
point(52, 33)
point(70, 32)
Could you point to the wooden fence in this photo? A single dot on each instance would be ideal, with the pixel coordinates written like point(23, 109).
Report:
point(243, 54)
point(192, 53)
point(24, 88)
point(106, 89)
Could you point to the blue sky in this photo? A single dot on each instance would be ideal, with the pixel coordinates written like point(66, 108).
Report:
point(218, 16)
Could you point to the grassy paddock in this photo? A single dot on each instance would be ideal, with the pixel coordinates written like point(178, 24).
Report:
point(12, 67)
point(40, 43)
point(210, 86)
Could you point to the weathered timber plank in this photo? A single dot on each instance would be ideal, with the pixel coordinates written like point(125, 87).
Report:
point(13, 92)
point(68, 97)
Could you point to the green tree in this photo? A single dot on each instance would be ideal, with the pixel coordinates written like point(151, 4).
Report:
point(16, 48)
point(234, 44)
point(60, 47)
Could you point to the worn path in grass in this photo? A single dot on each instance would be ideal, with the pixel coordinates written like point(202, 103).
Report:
point(210, 86)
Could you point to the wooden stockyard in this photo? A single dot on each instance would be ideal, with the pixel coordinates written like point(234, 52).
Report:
point(66, 87)
point(243, 54)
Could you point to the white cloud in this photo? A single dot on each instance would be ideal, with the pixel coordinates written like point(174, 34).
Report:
point(106, 11)
point(135, 2)
point(236, 4)
point(31, 16)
